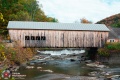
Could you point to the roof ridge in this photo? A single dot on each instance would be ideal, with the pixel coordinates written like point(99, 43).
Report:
point(57, 22)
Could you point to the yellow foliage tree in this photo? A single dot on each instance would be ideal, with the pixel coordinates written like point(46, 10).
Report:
point(84, 20)
point(1, 17)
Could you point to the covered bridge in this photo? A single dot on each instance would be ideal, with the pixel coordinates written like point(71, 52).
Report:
point(49, 34)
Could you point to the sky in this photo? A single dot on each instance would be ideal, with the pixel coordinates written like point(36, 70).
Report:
point(71, 11)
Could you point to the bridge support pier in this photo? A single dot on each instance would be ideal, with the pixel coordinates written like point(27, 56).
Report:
point(92, 51)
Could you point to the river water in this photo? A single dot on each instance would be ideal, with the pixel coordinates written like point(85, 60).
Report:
point(69, 67)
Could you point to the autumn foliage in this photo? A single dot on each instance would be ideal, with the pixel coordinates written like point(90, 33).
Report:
point(84, 20)
point(113, 21)
point(22, 10)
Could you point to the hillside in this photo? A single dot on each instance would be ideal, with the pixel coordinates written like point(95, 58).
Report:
point(21, 10)
point(113, 21)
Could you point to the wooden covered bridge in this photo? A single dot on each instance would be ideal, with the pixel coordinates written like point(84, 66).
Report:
point(49, 34)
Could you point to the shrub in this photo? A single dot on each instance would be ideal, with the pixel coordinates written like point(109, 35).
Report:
point(113, 46)
point(108, 48)
point(103, 52)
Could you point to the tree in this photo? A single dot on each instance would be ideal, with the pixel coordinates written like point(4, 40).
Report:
point(116, 24)
point(20, 16)
point(2, 21)
point(22, 10)
point(31, 7)
point(1, 17)
point(84, 20)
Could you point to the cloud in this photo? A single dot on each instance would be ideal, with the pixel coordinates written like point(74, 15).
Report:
point(110, 2)
point(68, 11)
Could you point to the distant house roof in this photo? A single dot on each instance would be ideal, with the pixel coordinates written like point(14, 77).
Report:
point(55, 26)
point(114, 33)
point(116, 30)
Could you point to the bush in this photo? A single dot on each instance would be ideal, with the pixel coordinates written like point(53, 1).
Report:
point(103, 52)
point(113, 46)
point(108, 48)
point(16, 53)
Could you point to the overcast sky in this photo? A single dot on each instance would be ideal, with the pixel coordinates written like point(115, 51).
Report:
point(70, 11)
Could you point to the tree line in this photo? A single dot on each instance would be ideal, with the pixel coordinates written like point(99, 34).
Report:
point(112, 21)
point(22, 10)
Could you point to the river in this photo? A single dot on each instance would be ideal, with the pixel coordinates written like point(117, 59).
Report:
point(67, 68)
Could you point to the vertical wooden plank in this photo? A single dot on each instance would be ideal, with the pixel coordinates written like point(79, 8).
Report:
point(70, 38)
point(67, 43)
point(86, 39)
point(59, 39)
point(72, 43)
point(79, 36)
point(80, 40)
point(55, 33)
point(51, 38)
point(54, 39)
point(94, 38)
point(47, 37)
point(64, 39)
point(75, 39)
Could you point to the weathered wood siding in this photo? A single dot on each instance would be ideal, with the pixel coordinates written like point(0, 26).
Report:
point(56, 38)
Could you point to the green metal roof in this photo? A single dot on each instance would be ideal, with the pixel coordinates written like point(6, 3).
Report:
point(55, 26)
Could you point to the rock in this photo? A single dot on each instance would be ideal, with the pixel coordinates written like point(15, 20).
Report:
point(13, 68)
point(74, 54)
point(63, 54)
point(84, 58)
point(16, 68)
point(47, 70)
point(109, 79)
point(88, 61)
point(38, 61)
point(36, 57)
point(91, 64)
point(96, 65)
point(67, 77)
point(72, 60)
point(100, 66)
point(56, 57)
point(29, 67)
point(38, 51)
point(31, 63)
point(115, 77)
point(39, 67)
point(93, 73)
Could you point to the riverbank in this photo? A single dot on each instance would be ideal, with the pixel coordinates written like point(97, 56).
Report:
point(11, 57)
point(110, 53)
point(113, 58)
